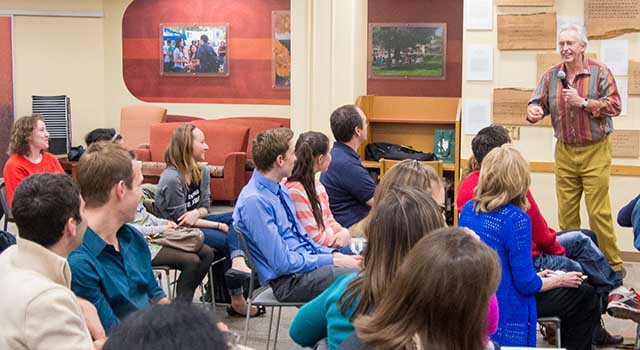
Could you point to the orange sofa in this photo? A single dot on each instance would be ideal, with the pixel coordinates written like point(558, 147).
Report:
point(256, 125)
point(226, 157)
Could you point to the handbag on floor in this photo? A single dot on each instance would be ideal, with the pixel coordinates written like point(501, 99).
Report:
point(189, 239)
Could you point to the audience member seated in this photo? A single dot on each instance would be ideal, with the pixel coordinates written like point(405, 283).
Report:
point(27, 149)
point(39, 311)
point(570, 251)
point(623, 302)
point(497, 215)
point(103, 134)
point(286, 258)
point(112, 267)
point(183, 196)
point(170, 327)
point(193, 265)
point(349, 185)
point(447, 279)
point(398, 221)
point(309, 195)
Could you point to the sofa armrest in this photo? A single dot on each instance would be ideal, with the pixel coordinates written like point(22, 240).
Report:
point(234, 164)
point(143, 154)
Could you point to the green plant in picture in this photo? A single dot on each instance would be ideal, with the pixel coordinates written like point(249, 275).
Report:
point(416, 50)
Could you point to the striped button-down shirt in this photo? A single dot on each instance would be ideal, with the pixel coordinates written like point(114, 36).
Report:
point(580, 126)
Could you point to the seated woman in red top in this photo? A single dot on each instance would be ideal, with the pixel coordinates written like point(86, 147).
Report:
point(27, 149)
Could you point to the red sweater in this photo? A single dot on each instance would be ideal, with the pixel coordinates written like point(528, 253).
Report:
point(18, 167)
point(543, 237)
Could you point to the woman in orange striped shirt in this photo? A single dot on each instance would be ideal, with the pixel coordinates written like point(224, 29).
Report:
point(309, 195)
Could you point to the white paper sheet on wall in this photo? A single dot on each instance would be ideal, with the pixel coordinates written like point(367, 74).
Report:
point(623, 90)
point(615, 54)
point(476, 114)
point(554, 140)
point(479, 63)
point(562, 20)
point(478, 14)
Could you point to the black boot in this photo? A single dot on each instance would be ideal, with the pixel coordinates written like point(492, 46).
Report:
point(602, 338)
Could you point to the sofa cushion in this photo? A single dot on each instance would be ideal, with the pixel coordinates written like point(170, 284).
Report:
point(256, 125)
point(222, 138)
point(159, 138)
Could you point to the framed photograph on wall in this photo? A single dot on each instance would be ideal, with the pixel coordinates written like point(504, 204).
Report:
point(407, 51)
point(194, 49)
point(281, 49)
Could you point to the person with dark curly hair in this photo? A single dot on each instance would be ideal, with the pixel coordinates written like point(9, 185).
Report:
point(27, 153)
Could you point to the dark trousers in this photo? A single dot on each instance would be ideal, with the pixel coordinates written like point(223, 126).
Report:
point(578, 310)
point(193, 268)
point(302, 287)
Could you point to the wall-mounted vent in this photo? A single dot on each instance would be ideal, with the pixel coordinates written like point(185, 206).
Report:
point(57, 116)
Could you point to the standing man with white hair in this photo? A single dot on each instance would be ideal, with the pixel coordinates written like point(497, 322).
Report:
point(581, 96)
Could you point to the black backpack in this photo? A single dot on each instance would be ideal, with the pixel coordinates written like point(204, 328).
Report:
point(6, 240)
point(376, 150)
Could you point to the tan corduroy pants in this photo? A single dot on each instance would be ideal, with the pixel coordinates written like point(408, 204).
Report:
point(587, 168)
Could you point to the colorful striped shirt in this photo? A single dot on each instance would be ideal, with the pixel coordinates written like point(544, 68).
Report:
point(305, 213)
point(578, 126)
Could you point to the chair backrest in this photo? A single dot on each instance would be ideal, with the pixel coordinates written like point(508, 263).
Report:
point(386, 164)
point(135, 122)
point(4, 203)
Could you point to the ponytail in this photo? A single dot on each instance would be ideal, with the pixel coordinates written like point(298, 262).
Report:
point(309, 146)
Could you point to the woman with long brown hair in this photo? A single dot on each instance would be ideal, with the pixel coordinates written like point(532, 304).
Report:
point(183, 196)
point(28, 152)
point(309, 195)
point(440, 297)
point(497, 215)
point(400, 218)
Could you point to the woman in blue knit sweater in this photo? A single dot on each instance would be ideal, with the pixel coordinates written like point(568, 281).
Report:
point(497, 215)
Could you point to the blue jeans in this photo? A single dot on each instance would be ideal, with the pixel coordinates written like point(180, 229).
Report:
point(584, 256)
point(224, 242)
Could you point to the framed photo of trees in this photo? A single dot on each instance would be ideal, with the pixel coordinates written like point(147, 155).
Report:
point(407, 50)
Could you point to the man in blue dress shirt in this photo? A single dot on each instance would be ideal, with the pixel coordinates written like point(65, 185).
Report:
point(348, 183)
point(112, 267)
point(286, 258)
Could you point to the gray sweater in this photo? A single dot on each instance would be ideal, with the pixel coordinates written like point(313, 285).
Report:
point(171, 198)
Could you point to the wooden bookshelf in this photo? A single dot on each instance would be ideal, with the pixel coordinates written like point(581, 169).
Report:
point(412, 121)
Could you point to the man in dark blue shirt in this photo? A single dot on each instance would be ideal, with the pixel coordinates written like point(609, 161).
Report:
point(349, 185)
point(112, 267)
point(286, 258)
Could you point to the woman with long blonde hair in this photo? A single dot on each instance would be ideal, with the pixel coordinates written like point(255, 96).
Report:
point(440, 299)
point(184, 196)
point(497, 215)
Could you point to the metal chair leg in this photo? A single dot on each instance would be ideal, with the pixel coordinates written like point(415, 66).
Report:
point(275, 342)
point(269, 331)
point(558, 339)
point(637, 343)
point(246, 321)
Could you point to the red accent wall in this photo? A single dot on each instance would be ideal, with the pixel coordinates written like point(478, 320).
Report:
point(6, 87)
point(249, 51)
point(422, 11)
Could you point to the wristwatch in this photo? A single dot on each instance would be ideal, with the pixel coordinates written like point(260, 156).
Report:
point(585, 103)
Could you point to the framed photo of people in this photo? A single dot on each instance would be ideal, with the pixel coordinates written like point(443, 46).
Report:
point(407, 50)
point(281, 60)
point(194, 49)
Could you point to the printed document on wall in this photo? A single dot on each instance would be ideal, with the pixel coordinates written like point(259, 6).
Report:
point(623, 90)
point(479, 63)
point(478, 14)
point(615, 55)
point(476, 114)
